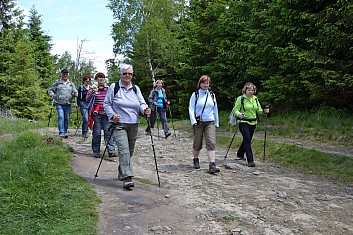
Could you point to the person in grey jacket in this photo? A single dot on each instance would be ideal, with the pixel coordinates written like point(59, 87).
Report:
point(62, 91)
point(123, 108)
point(158, 104)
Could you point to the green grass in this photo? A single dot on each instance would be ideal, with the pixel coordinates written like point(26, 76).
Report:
point(40, 193)
point(297, 158)
point(322, 125)
point(18, 125)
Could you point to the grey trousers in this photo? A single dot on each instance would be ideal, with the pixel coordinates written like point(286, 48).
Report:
point(125, 136)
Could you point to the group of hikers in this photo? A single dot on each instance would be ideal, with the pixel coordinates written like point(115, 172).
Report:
point(115, 109)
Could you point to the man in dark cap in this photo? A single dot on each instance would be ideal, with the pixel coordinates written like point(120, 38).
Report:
point(62, 91)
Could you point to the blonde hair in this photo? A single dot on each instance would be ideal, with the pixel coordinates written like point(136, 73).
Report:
point(248, 85)
point(203, 78)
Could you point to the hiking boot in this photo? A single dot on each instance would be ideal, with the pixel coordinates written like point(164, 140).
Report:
point(111, 159)
point(212, 168)
point(167, 134)
point(112, 155)
point(251, 164)
point(127, 183)
point(196, 163)
point(96, 155)
point(240, 157)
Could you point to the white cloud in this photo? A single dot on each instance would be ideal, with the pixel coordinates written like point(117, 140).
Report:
point(89, 51)
point(68, 22)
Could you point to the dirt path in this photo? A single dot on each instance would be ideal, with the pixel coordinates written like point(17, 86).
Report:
point(266, 199)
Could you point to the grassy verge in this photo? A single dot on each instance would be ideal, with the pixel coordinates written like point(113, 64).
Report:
point(39, 192)
point(300, 159)
point(322, 125)
point(18, 125)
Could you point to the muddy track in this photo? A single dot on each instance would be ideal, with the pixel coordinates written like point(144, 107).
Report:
point(267, 199)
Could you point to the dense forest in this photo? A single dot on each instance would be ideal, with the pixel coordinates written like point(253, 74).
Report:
point(298, 53)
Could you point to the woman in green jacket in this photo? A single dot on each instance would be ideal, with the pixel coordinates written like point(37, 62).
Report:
point(247, 108)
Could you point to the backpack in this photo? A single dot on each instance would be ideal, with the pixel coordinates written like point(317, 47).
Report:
point(232, 116)
point(197, 96)
point(117, 87)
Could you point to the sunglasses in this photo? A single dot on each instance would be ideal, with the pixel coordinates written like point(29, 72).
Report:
point(66, 73)
point(127, 74)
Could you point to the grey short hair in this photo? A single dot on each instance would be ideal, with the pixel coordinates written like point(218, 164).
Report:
point(125, 67)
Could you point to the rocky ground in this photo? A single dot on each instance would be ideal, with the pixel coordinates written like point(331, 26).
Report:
point(267, 199)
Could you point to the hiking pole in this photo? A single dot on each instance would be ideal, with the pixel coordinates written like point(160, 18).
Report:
point(236, 130)
point(229, 146)
point(112, 127)
point(266, 121)
point(51, 110)
point(171, 117)
point(154, 152)
point(157, 116)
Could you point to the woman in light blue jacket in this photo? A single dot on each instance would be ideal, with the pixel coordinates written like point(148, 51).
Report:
point(203, 114)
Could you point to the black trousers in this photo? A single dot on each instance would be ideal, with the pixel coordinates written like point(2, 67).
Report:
point(247, 132)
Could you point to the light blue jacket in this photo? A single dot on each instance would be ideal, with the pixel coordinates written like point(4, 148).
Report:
point(126, 103)
point(210, 112)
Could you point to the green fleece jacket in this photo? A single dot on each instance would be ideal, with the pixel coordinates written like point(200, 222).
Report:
point(252, 109)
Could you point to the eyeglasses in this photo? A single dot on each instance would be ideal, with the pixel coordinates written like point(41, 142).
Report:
point(66, 73)
point(127, 74)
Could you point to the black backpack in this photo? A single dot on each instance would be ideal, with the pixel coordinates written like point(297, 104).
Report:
point(117, 87)
point(197, 97)
point(233, 118)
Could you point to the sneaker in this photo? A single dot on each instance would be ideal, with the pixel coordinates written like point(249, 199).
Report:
point(213, 169)
point(251, 164)
point(111, 159)
point(62, 135)
point(196, 163)
point(167, 134)
point(97, 155)
point(66, 135)
point(112, 155)
point(240, 158)
point(127, 183)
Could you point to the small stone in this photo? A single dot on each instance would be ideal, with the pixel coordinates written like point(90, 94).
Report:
point(282, 195)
